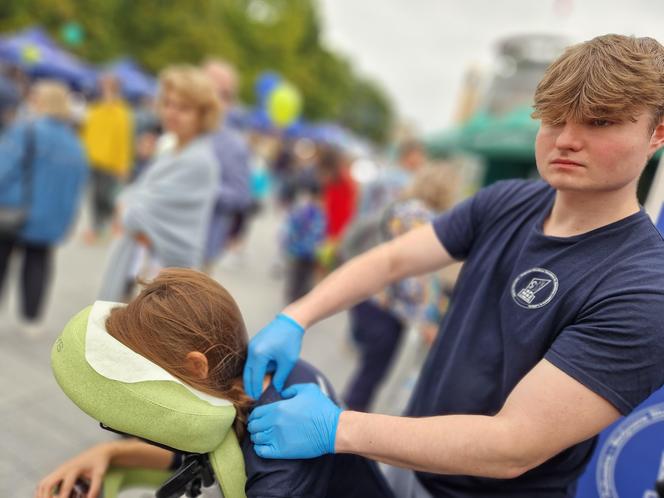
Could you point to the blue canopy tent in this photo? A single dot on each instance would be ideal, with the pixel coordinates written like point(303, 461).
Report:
point(40, 57)
point(136, 83)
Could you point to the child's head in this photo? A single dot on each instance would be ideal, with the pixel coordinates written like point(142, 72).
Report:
point(434, 186)
point(610, 77)
point(330, 164)
point(188, 324)
point(412, 155)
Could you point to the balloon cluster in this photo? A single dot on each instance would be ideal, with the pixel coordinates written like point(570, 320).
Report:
point(278, 99)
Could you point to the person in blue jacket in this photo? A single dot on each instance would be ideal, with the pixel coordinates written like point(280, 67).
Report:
point(43, 169)
point(554, 329)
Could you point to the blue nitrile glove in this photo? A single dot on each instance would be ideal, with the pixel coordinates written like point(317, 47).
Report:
point(302, 426)
point(275, 348)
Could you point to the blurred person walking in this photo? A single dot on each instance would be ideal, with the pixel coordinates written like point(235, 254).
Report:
point(234, 197)
point(43, 171)
point(392, 180)
point(10, 98)
point(377, 324)
point(303, 233)
point(107, 134)
point(166, 212)
point(339, 201)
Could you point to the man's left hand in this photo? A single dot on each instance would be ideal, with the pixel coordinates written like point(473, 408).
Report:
point(303, 425)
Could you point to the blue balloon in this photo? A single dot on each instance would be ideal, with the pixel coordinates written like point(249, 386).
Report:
point(265, 83)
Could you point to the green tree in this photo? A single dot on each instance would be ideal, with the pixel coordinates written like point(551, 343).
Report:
point(255, 35)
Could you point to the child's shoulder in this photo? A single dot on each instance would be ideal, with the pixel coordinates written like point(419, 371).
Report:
point(302, 373)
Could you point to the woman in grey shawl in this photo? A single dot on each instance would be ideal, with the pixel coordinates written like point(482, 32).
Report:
point(167, 210)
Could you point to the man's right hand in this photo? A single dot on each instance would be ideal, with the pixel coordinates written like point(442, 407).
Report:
point(275, 348)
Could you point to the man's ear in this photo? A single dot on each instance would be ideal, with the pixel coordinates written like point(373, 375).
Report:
point(657, 139)
point(196, 364)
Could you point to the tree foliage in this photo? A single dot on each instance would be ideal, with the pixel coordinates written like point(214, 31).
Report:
point(255, 35)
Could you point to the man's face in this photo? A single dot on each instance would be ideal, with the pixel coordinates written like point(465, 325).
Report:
point(597, 155)
point(108, 87)
point(224, 81)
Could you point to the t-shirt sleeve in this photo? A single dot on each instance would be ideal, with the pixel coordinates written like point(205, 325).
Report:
point(616, 346)
point(458, 228)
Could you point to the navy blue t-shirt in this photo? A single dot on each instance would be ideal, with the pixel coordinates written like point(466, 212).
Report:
point(329, 476)
point(590, 304)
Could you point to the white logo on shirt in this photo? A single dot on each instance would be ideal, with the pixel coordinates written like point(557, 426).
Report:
point(534, 288)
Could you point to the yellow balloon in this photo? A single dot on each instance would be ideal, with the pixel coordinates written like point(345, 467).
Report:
point(284, 105)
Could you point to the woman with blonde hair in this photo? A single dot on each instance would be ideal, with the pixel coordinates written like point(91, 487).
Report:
point(42, 174)
point(166, 212)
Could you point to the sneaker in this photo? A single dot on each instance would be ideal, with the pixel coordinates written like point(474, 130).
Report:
point(31, 329)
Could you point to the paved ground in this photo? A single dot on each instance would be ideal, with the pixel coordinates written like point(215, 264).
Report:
point(39, 426)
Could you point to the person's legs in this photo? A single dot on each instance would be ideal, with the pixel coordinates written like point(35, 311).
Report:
point(6, 249)
point(299, 278)
point(35, 276)
point(95, 199)
point(111, 185)
point(377, 332)
point(104, 186)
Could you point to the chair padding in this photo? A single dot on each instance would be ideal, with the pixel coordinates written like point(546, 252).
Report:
point(148, 402)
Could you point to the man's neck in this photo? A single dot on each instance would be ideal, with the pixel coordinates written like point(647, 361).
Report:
point(575, 213)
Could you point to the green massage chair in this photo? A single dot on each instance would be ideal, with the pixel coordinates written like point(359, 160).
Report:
point(130, 395)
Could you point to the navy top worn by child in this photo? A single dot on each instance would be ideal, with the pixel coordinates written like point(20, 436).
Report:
point(329, 476)
point(589, 304)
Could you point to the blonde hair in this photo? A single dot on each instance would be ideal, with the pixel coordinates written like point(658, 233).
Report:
point(193, 85)
point(434, 186)
point(612, 77)
point(52, 99)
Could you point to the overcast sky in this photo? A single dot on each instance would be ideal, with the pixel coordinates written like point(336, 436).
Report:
point(418, 50)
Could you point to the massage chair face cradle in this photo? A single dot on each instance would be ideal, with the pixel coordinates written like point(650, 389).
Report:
point(132, 396)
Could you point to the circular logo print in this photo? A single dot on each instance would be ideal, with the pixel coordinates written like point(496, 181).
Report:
point(631, 459)
point(534, 288)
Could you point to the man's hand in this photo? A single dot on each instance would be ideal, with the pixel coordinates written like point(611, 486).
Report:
point(302, 426)
point(275, 348)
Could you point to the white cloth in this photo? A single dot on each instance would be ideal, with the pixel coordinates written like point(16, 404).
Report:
point(113, 360)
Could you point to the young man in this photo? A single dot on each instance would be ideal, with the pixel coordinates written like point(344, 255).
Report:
point(554, 329)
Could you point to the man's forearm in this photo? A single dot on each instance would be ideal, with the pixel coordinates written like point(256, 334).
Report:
point(353, 282)
point(452, 444)
point(414, 253)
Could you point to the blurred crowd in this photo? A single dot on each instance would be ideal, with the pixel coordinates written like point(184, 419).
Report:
point(174, 181)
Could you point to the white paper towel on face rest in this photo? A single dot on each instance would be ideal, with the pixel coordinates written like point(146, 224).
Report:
point(112, 359)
